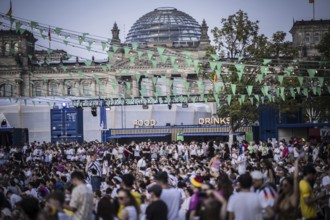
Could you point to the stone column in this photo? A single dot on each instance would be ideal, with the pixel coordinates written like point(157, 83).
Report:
point(135, 87)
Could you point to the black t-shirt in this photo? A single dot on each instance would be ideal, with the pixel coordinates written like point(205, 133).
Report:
point(18, 156)
point(157, 211)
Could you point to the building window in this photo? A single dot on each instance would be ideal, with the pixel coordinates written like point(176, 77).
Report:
point(6, 90)
point(37, 90)
point(86, 89)
point(316, 37)
point(7, 49)
point(307, 36)
point(53, 89)
point(68, 90)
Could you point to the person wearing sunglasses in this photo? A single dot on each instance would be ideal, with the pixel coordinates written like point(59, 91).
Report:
point(287, 199)
point(131, 210)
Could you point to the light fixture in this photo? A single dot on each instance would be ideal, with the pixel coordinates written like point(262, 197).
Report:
point(169, 106)
point(63, 105)
point(145, 106)
point(184, 105)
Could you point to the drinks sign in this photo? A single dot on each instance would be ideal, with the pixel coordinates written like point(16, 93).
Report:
point(214, 121)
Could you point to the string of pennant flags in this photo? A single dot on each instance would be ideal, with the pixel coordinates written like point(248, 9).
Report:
point(272, 80)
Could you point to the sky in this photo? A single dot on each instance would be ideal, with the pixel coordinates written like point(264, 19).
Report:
point(98, 16)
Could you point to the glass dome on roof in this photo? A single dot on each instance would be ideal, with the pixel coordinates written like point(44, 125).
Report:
point(164, 24)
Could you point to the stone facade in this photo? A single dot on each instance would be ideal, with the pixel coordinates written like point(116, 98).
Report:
point(25, 73)
point(306, 35)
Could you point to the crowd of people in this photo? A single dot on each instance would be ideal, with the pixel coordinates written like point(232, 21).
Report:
point(283, 180)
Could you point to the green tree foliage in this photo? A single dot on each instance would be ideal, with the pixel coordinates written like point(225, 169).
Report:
point(236, 34)
point(324, 46)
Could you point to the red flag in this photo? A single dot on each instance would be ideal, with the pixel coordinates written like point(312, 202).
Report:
point(49, 36)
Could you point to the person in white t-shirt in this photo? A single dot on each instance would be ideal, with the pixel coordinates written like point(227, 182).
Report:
point(244, 205)
point(241, 162)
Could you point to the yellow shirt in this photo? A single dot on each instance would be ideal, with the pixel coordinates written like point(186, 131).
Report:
point(137, 197)
point(306, 191)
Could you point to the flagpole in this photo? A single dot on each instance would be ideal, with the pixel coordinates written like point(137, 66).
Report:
point(314, 10)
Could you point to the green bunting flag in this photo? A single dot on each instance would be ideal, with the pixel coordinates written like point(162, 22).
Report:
point(266, 89)
point(298, 90)
point(163, 58)
point(249, 89)
point(319, 91)
point(126, 51)
point(233, 89)
point(104, 68)
point(292, 93)
point(172, 58)
point(49, 51)
point(257, 97)
point(33, 24)
point(80, 74)
point(213, 64)
point(160, 50)
point(321, 81)
point(154, 80)
point(138, 76)
point(215, 57)
point(280, 79)
point(217, 88)
point(188, 54)
point(260, 77)
point(217, 72)
point(187, 86)
point(239, 74)
point(196, 63)
point(264, 70)
point(171, 82)
point(240, 67)
point(314, 90)
point(18, 26)
point(132, 59)
point(149, 54)
point(115, 48)
point(243, 98)
point(58, 31)
point(175, 68)
point(88, 62)
point(311, 72)
point(154, 63)
point(65, 42)
point(135, 46)
point(239, 100)
point(288, 70)
point(140, 53)
point(89, 48)
point(229, 99)
point(305, 92)
point(197, 70)
point(251, 100)
point(188, 62)
point(267, 61)
point(128, 86)
point(277, 91)
point(300, 80)
point(104, 45)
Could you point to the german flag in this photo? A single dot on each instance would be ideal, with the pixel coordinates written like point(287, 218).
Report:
point(215, 78)
point(49, 35)
point(10, 11)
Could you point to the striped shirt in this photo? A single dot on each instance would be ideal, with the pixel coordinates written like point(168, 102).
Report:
point(96, 166)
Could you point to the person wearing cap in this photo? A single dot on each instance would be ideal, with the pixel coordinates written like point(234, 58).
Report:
point(265, 192)
point(170, 196)
point(157, 209)
point(197, 198)
point(244, 205)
